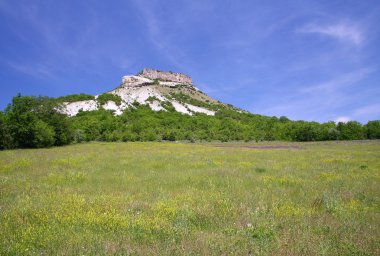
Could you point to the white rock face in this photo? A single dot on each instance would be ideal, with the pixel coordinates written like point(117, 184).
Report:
point(180, 108)
point(200, 110)
point(72, 109)
point(166, 76)
point(135, 80)
point(142, 90)
point(169, 84)
point(139, 94)
point(111, 105)
point(156, 106)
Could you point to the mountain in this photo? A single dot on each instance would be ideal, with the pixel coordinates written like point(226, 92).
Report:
point(157, 89)
point(155, 106)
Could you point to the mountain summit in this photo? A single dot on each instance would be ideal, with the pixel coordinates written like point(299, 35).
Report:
point(157, 89)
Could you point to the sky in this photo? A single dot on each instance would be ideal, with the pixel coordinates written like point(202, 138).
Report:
point(307, 60)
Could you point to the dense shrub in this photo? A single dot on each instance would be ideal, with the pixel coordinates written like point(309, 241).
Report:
point(351, 130)
point(31, 122)
point(105, 97)
point(43, 135)
point(75, 97)
point(372, 129)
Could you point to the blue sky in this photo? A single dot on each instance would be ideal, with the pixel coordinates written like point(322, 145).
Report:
point(312, 60)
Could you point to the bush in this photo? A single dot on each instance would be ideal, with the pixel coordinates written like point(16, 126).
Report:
point(43, 135)
point(105, 97)
point(79, 136)
point(75, 97)
point(351, 130)
point(6, 138)
point(372, 129)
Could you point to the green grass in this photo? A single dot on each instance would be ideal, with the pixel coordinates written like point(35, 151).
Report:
point(191, 199)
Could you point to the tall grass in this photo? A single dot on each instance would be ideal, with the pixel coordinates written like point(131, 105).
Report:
point(191, 199)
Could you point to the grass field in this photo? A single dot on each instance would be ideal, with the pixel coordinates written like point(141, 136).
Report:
point(191, 199)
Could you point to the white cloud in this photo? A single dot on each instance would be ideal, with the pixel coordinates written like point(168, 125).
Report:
point(343, 119)
point(369, 110)
point(312, 102)
point(343, 80)
point(343, 31)
point(38, 70)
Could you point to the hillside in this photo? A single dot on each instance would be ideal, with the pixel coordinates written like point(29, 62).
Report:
point(155, 106)
point(156, 89)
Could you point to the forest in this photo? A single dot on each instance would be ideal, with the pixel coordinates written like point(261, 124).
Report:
point(34, 122)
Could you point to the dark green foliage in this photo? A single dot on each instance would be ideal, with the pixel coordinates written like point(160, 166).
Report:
point(142, 124)
point(43, 135)
point(284, 119)
point(351, 130)
point(103, 98)
point(156, 81)
point(152, 98)
point(6, 136)
point(78, 136)
point(168, 106)
point(31, 122)
point(372, 129)
point(181, 97)
point(260, 169)
point(75, 97)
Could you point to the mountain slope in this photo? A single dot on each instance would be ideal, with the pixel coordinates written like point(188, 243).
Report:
point(155, 106)
point(159, 90)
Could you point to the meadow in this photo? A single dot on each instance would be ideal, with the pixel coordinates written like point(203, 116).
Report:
point(150, 198)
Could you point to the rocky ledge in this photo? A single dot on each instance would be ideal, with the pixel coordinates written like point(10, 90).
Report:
point(165, 76)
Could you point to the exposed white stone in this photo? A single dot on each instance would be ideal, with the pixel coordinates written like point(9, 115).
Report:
point(111, 105)
point(200, 110)
point(139, 94)
point(180, 108)
point(170, 84)
point(156, 106)
point(166, 76)
point(138, 89)
point(72, 109)
point(135, 80)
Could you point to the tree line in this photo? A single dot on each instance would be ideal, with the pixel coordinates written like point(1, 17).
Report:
point(33, 122)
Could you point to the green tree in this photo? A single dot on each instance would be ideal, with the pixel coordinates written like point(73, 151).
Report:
point(43, 134)
point(33, 120)
point(372, 129)
point(351, 130)
point(6, 138)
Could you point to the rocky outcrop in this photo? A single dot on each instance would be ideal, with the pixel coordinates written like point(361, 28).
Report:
point(165, 76)
point(134, 80)
point(142, 89)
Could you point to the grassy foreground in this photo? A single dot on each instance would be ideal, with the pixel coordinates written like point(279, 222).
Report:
point(191, 199)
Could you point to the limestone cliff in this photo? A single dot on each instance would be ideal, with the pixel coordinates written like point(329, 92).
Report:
point(165, 76)
point(161, 91)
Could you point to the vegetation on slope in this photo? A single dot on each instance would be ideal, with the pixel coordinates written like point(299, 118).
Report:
point(184, 98)
point(105, 97)
point(75, 97)
point(178, 199)
point(34, 122)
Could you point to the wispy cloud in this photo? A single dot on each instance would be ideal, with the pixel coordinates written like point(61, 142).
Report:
point(369, 110)
point(340, 81)
point(38, 70)
point(343, 31)
point(326, 97)
point(366, 112)
point(159, 37)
